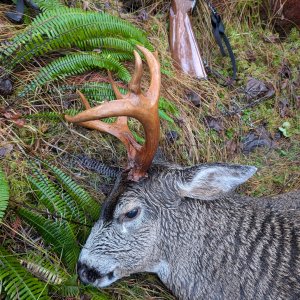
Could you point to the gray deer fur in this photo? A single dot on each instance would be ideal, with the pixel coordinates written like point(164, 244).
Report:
point(202, 240)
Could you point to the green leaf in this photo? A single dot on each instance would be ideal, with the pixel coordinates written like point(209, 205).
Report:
point(285, 129)
point(4, 194)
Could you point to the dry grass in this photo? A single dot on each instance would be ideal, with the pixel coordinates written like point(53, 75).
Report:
point(279, 167)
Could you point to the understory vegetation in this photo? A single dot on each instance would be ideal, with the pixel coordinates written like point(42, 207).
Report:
point(49, 200)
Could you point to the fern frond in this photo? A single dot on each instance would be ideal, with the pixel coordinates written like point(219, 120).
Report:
point(44, 269)
point(66, 28)
point(168, 106)
point(97, 91)
point(52, 115)
point(4, 194)
point(18, 283)
point(107, 43)
point(95, 294)
point(55, 199)
point(83, 199)
point(76, 63)
point(70, 288)
point(58, 234)
point(49, 4)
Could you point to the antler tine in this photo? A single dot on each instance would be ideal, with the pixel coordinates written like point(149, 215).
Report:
point(119, 129)
point(118, 94)
point(135, 83)
point(154, 67)
point(121, 121)
point(83, 100)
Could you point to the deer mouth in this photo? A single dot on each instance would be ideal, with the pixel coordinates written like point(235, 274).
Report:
point(105, 280)
point(92, 276)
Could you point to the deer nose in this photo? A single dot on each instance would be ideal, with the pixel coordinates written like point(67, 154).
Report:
point(86, 274)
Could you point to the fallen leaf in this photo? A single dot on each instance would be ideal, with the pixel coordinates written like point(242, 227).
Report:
point(194, 98)
point(231, 147)
point(273, 39)
point(283, 107)
point(6, 87)
point(285, 70)
point(256, 88)
point(250, 56)
point(5, 150)
point(15, 117)
point(143, 15)
point(298, 102)
point(259, 137)
point(172, 136)
point(20, 122)
point(214, 123)
point(285, 129)
point(16, 225)
point(9, 115)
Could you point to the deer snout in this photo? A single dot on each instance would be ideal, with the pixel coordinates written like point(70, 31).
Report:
point(89, 275)
point(86, 274)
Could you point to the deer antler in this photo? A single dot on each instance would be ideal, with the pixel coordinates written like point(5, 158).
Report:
point(141, 106)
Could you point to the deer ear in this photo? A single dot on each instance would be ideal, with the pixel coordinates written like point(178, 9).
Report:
point(209, 182)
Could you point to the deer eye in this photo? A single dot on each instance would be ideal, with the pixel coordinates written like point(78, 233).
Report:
point(132, 214)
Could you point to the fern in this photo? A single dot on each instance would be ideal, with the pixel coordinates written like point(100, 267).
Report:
point(96, 91)
point(49, 4)
point(44, 269)
point(36, 276)
point(82, 198)
point(52, 115)
point(58, 234)
point(70, 27)
point(168, 106)
point(107, 43)
point(77, 63)
point(18, 283)
point(95, 295)
point(56, 201)
point(70, 288)
point(4, 194)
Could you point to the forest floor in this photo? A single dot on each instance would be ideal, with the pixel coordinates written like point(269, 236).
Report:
point(256, 121)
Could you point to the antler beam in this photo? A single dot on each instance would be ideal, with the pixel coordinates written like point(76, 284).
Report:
point(138, 105)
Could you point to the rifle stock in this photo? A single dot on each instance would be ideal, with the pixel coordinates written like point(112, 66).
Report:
point(184, 47)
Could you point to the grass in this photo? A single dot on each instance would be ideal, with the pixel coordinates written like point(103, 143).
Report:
point(279, 167)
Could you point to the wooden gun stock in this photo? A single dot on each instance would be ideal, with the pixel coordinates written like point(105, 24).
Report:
point(183, 44)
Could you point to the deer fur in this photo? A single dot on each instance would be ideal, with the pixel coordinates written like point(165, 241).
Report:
point(201, 239)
